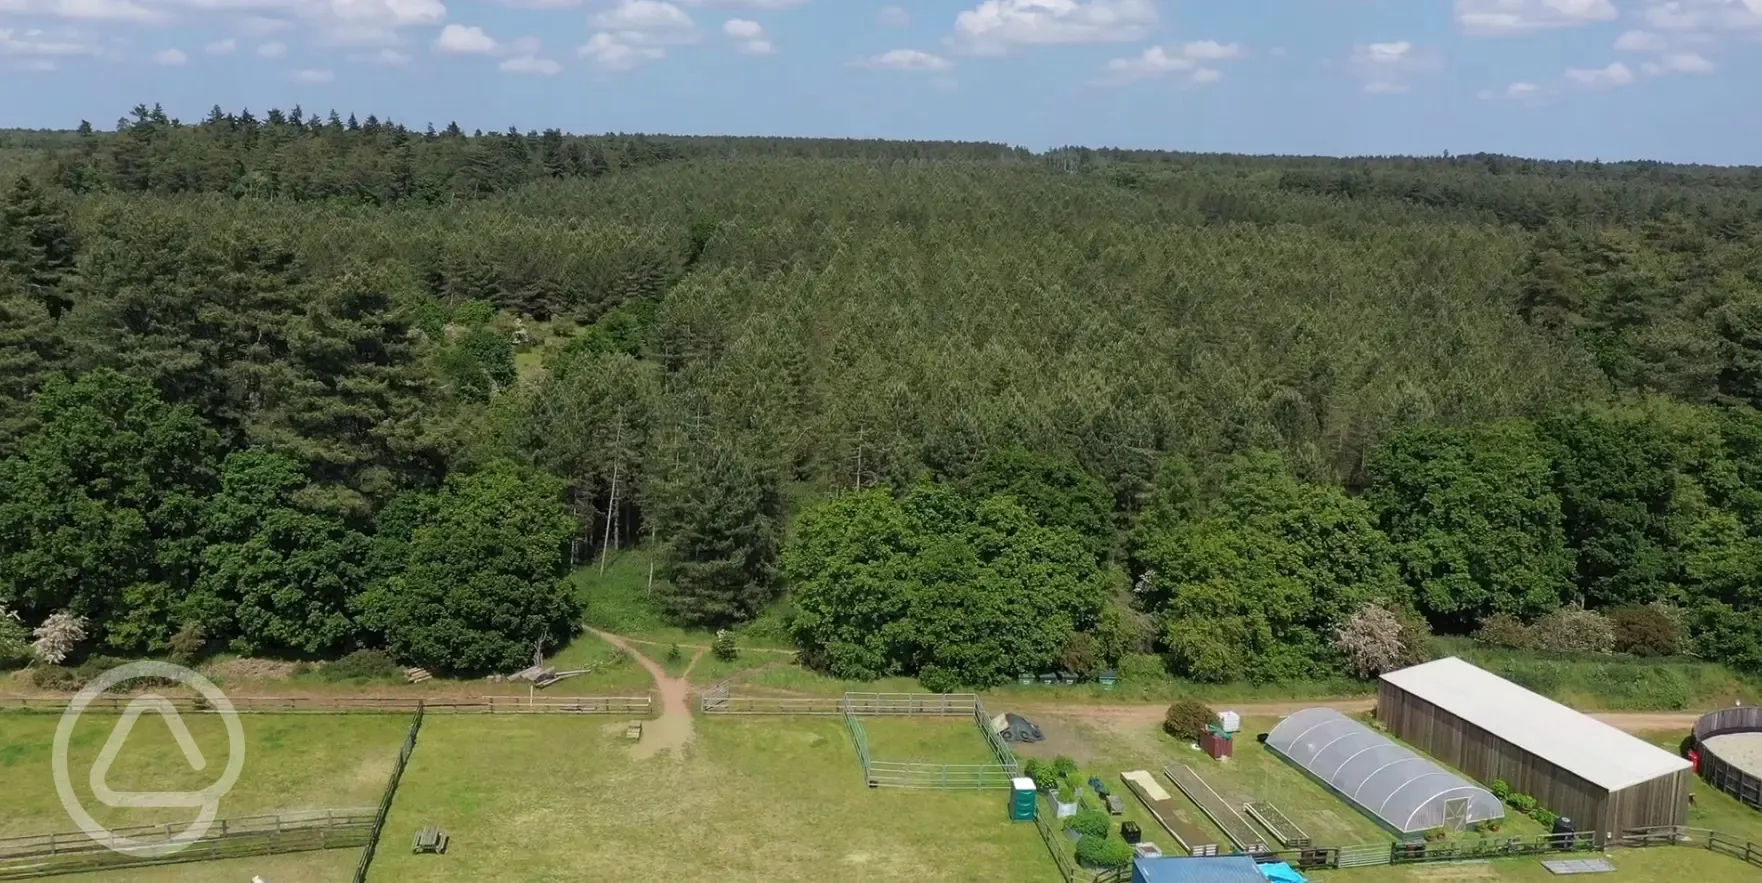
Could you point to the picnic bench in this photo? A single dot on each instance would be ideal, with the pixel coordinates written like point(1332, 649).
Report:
point(633, 732)
point(430, 839)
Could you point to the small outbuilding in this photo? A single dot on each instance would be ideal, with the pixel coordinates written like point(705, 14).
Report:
point(1197, 869)
point(1572, 764)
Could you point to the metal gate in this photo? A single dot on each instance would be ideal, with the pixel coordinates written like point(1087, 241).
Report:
point(1365, 855)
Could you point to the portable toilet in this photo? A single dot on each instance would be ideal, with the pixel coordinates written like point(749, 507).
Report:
point(1023, 801)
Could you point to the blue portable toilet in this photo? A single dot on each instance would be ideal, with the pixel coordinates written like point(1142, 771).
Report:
point(1023, 799)
point(1197, 869)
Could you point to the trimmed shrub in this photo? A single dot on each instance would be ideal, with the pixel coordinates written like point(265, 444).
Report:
point(1523, 803)
point(674, 656)
point(1187, 719)
point(1645, 631)
point(362, 665)
point(1546, 817)
point(1500, 790)
point(1504, 630)
point(1574, 630)
point(1104, 852)
point(1089, 823)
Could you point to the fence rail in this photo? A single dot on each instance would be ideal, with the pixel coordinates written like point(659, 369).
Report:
point(388, 796)
point(717, 700)
point(618, 705)
point(918, 774)
point(1676, 835)
point(46, 855)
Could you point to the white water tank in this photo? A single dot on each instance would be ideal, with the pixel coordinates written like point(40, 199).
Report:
point(1230, 721)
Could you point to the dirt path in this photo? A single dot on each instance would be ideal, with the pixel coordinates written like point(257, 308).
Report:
point(671, 730)
point(686, 675)
point(701, 646)
point(1632, 722)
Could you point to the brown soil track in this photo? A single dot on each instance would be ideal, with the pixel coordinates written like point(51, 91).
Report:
point(1632, 722)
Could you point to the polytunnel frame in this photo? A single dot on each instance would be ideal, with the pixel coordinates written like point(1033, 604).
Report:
point(1302, 723)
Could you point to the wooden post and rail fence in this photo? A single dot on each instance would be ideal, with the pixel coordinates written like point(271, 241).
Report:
point(47, 855)
point(627, 706)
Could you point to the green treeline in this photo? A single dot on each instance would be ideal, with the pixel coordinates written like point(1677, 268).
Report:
point(297, 386)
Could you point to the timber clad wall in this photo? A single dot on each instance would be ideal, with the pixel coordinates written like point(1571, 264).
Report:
point(1485, 757)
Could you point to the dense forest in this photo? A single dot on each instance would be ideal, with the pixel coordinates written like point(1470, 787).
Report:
point(294, 385)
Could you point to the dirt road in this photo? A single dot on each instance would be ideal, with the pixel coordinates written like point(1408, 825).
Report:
point(1632, 722)
point(671, 730)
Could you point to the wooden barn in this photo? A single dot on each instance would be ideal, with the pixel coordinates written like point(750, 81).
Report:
point(1573, 764)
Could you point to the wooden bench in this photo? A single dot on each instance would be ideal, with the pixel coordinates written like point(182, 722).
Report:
point(633, 732)
point(430, 839)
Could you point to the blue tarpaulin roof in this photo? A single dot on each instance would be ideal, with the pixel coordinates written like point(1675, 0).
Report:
point(1281, 872)
point(1197, 869)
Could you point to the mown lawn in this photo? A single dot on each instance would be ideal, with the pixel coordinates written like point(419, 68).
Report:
point(292, 763)
point(545, 800)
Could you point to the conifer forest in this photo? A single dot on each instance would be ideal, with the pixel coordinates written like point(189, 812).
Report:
point(298, 384)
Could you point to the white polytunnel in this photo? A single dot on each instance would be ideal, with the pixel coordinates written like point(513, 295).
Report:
point(1408, 793)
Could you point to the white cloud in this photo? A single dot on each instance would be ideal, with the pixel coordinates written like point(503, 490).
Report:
point(170, 57)
point(1678, 63)
point(257, 25)
point(1159, 60)
point(389, 55)
point(313, 75)
point(1386, 68)
point(619, 52)
point(1615, 74)
point(38, 42)
point(1641, 41)
point(88, 10)
point(643, 15)
point(222, 47)
point(1499, 17)
point(272, 50)
point(1704, 16)
point(531, 64)
point(1513, 92)
point(463, 40)
point(893, 17)
point(994, 26)
point(746, 4)
point(750, 36)
point(905, 60)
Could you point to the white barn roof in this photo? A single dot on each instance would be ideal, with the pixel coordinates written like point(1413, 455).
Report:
point(1575, 742)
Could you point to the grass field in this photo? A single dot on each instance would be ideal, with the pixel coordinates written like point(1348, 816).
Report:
point(329, 866)
point(778, 799)
point(292, 762)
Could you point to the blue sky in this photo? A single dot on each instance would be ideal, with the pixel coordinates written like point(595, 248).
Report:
point(1613, 79)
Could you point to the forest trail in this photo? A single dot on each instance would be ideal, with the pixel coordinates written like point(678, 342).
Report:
point(671, 730)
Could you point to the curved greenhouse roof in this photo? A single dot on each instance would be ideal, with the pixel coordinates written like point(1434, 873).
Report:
point(1407, 792)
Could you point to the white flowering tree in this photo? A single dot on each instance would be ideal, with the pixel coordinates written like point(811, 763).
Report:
point(57, 637)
